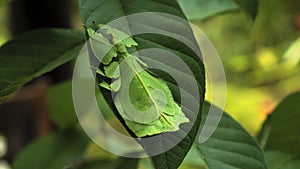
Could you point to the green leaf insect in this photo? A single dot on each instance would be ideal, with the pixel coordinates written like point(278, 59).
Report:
point(143, 100)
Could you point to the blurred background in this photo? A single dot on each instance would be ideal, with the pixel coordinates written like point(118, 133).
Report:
point(261, 59)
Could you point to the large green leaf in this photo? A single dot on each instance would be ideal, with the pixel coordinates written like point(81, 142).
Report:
point(103, 12)
point(284, 126)
point(54, 151)
point(34, 53)
point(279, 160)
point(203, 9)
point(231, 146)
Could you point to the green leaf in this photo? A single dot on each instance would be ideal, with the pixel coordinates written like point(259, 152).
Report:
point(4, 2)
point(284, 123)
point(98, 11)
point(279, 160)
point(231, 146)
point(121, 163)
point(60, 105)
point(34, 53)
point(173, 157)
point(203, 9)
point(249, 6)
point(55, 151)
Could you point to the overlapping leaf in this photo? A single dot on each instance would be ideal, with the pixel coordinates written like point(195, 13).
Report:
point(231, 146)
point(34, 53)
point(203, 9)
point(282, 128)
point(98, 11)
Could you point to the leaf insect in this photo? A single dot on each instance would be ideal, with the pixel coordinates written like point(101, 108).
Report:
point(143, 100)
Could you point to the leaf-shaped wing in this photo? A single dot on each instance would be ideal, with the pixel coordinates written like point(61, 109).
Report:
point(146, 102)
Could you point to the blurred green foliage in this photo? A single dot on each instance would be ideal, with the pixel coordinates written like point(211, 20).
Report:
point(4, 32)
point(261, 58)
point(60, 105)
